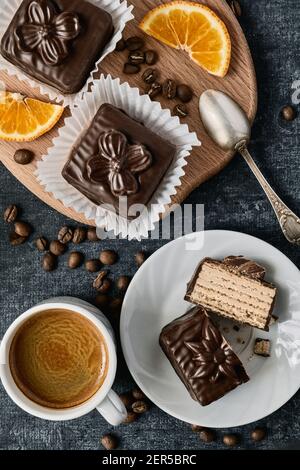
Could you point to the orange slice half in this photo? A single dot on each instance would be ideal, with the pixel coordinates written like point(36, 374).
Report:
point(194, 28)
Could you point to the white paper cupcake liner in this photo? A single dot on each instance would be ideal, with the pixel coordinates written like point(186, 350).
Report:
point(121, 13)
point(141, 108)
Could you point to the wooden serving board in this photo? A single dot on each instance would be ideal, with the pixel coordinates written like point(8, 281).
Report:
point(205, 161)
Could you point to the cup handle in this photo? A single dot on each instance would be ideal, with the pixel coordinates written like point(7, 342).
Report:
point(112, 409)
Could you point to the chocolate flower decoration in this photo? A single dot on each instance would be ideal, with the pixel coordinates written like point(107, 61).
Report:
point(118, 163)
point(46, 32)
point(214, 356)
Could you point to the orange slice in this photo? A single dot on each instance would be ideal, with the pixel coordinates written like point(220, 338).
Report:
point(194, 28)
point(25, 119)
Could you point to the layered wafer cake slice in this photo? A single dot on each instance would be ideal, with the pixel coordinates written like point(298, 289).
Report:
point(233, 288)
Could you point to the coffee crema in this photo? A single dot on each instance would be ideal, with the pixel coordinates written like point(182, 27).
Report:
point(58, 358)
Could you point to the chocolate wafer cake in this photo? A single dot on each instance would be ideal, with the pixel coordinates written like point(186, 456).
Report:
point(201, 356)
point(233, 288)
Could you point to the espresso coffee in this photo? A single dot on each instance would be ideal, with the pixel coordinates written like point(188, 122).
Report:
point(58, 359)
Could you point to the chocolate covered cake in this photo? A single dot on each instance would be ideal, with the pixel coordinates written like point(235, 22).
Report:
point(57, 41)
point(233, 288)
point(201, 356)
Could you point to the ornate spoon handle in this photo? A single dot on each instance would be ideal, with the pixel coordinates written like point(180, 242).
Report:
point(289, 222)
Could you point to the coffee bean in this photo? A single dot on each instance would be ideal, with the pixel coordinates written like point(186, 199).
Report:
point(126, 399)
point(98, 281)
point(93, 265)
point(109, 442)
point(138, 394)
point(79, 235)
point(258, 434)
point(134, 43)
point(10, 214)
point(136, 57)
point(153, 90)
point(180, 110)
point(108, 257)
point(91, 234)
point(196, 428)
point(75, 259)
point(140, 258)
point(57, 248)
point(207, 435)
point(15, 239)
point(230, 440)
point(151, 57)
point(235, 7)
point(169, 89)
point(131, 69)
point(140, 407)
point(121, 45)
point(115, 306)
point(23, 229)
point(184, 93)
point(130, 418)
point(102, 301)
point(150, 76)
point(105, 287)
point(288, 113)
point(123, 282)
point(23, 156)
point(41, 243)
point(49, 262)
point(65, 234)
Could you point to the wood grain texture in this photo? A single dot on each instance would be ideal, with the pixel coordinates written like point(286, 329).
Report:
point(205, 161)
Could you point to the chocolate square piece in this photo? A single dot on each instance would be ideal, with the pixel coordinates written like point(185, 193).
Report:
point(57, 41)
point(201, 356)
point(118, 156)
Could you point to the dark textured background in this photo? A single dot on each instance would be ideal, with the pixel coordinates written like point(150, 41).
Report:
point(233, 200)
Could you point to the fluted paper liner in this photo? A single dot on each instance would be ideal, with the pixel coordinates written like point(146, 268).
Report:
point(141, 108)
point(121, 13)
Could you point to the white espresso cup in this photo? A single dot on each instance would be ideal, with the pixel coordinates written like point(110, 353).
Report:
point(105, 400)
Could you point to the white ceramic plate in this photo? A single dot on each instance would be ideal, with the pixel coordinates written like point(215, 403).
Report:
point(155, 297)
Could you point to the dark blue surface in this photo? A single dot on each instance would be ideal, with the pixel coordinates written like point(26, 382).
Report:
point(233, 200)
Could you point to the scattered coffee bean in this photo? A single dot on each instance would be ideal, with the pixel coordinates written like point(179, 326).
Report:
point(23, 156)
point(140, 258)
point(91, 234)
point(102, 301)
point(169, 89)
point(180, 110)
point(130, 418)
point(153, 90)
point(57, 248)
point(79, 235)
point(65, 234)
point(230, 440)
point(207, 435)
point(98, 282)
point(258, 434)
point(184, 93)
point(196, 428)
point(109, 442)
point(105, 287)
point(16, 239)
point(115, 306)
point(235, 7)
point(10, 214)
point(42, 244)
point(136, 57)
point(126, 399)
point(49, 262)
point(288, 113)
point(75, 259)
point(93, 265)
point(140, 407)
point(108, 257)
point(134, 43)
point(123, 282)
point(151, 57)
point(121, 45)
point(23, 229)
point(138, 394)
point(150, 76)
point(131, 69)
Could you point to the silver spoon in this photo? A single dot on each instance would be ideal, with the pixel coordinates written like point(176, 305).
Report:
point(229, 127)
